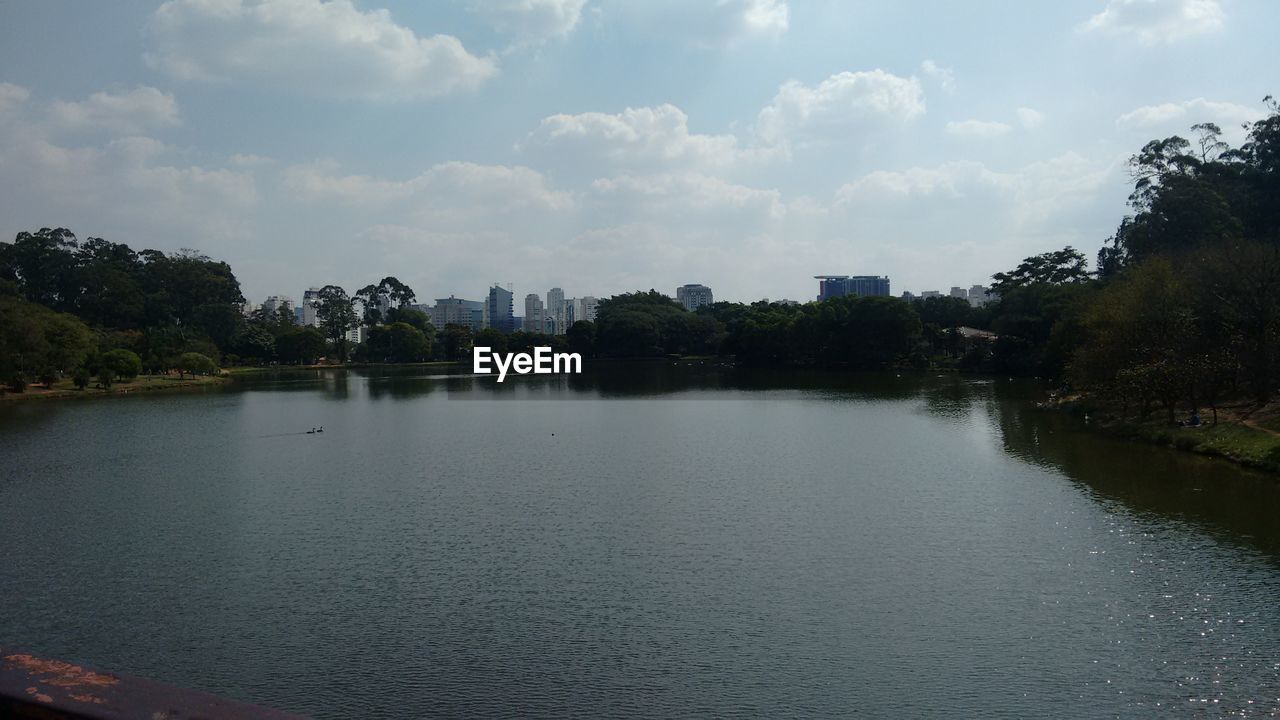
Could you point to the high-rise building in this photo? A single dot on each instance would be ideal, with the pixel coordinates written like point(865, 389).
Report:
point(456, 311)
point(309, 307)
point(959, 292)
point(583, 308)
point(275, 302)
point(499, 309)
point(694, 296)
point(833, 286)
point(534, 322)
point(980, 295)
point(555, 312)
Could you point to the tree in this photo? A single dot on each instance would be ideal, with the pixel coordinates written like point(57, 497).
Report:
point(491, 338)
point(301, 346)
point(36, 341)
point(372, 300)
point(412, 316)
point(457, 342)
point(1067, 265)
point(389, 293)
point(43, 265)
point(629, 332)
point(397, 343)
point(195, 364)
point(1141, 338)
point(1242, 283)
point(581, 337)
point(256, 343)
point(124, 364)
point(337, 315)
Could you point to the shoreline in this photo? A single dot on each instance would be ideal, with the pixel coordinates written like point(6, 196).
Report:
point(64, 389)
point(1245, 434)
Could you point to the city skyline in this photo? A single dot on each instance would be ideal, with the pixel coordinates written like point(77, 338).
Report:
point(554, 314)
point(757, 140)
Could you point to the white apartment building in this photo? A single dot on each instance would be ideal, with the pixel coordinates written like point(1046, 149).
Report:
point(694, 296)
point(555, 311)
point(534, 320)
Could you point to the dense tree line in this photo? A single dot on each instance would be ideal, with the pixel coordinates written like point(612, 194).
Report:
point(75, 308)
point(1188, 305)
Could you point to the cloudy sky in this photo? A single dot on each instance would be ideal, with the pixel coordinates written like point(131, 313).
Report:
point(606, 146)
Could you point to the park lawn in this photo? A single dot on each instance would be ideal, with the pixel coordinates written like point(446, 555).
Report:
point(1228, 439)
point(64, 388)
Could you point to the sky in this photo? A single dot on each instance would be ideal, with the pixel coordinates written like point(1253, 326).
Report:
point(604, 146)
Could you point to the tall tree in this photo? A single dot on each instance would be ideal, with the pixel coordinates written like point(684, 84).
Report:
point(336, 313)
point(1060, 267)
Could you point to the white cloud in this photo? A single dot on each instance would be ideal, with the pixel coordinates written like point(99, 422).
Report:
point(946, 179)
point(1030, 118)
point(132, 112)
point(1189, 112)
point(1157, 21)
point(250, 160)
point(326, 49)
point(531, 21)
point(680, 193)
point(961, 221)
point(842, 105)
point(1034, 194)
point(453, 189)
point(11, 96)
point(136, 190)
point(945, 76)
point(646, 138)
point(757, 17)
point(718, 24)
point(977, 128)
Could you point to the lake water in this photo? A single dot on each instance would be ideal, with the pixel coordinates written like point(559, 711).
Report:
point(641, 540)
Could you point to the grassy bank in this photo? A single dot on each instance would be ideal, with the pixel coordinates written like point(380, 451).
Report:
point(1245, 433)
point(143, 383)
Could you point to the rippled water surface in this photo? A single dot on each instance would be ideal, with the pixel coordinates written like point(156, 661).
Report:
point(643, 540)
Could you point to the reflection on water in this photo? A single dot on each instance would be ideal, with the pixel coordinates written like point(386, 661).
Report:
point(642, 539)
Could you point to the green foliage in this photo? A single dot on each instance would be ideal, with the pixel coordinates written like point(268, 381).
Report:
point(106, 376)
point(196, 364)
point(124, 364)
point(397, 343)
point(114, 289)
point(300, 346)
point(412, 316)
point(1036, 326)
point(336, 313)
point(36, 341)
point(256, 343)
point(389, 293)
point(581, 338)
point(1060, 267)
point(81, 378)
point(456, 342)
point(648, 324)
point(1192, 305)
point(491, 338)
